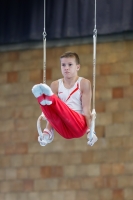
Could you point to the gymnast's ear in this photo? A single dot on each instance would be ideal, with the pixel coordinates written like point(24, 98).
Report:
point(78, 67)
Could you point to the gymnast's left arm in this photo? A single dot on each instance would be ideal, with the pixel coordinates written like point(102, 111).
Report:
point(86, 92)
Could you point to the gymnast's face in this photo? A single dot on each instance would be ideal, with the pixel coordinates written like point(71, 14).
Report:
point(69, 68)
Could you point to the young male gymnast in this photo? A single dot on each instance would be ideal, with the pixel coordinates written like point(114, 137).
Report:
point(67, 104)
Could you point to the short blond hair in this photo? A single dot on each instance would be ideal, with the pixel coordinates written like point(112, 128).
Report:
point(70, 54)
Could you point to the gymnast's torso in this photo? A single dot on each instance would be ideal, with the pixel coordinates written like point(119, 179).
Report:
point(72, 96)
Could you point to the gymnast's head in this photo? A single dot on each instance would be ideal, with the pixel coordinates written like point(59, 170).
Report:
point(70, 63)
point(70, 54)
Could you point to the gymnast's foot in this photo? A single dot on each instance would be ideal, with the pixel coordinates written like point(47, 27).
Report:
point(46, 89)
point(46, 138)
point(40, 89)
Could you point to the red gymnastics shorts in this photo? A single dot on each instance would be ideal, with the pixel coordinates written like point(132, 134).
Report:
point(68, 123)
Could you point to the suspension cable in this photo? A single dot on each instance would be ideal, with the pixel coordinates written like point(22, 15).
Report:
point(92, 126)
point(42, 117)
point(94, 58)
point(44, 48)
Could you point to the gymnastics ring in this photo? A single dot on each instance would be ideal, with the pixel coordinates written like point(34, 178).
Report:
point(41, 117)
